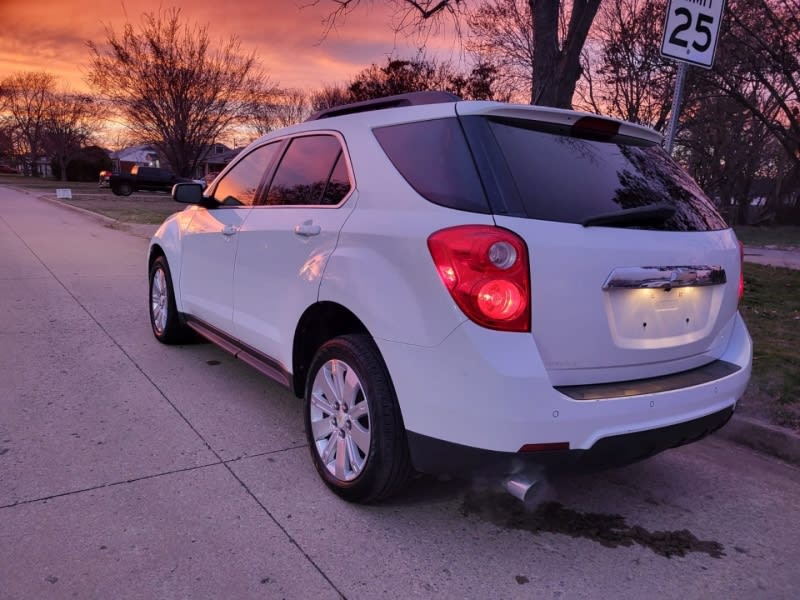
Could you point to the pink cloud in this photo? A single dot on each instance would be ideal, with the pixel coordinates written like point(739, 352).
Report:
point(51, 35)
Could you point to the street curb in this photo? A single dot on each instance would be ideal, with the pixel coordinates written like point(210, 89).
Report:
point(779, 442)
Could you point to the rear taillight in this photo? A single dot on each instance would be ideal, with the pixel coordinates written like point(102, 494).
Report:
point(741, 271)
point(486, 271)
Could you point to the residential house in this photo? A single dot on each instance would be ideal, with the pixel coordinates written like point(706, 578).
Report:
point(144, 155)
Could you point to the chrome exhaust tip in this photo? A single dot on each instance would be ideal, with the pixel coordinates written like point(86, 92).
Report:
point(521, 486)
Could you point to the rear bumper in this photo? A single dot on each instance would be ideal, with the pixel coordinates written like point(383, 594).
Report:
point(433, 456)
point(488, 392)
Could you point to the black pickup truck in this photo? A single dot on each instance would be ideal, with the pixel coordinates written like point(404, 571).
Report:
point(149, 179)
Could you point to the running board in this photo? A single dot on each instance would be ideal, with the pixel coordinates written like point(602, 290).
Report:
point(247, 355)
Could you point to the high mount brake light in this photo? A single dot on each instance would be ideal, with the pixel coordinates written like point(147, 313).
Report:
point(595, 128)
point(486, 271)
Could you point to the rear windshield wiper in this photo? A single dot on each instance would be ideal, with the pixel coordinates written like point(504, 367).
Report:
point(641, 215)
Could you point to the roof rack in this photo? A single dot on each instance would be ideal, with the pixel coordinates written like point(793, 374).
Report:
point(410, 99)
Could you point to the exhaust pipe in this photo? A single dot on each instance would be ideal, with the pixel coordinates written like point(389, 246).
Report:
point(520, 486)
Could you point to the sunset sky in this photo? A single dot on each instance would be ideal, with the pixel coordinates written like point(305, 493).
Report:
point(51, 35)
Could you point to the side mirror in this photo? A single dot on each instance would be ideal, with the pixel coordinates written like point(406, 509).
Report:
point(188, 193)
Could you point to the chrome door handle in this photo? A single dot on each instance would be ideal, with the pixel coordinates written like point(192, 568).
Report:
point(229, 230)
point(307, 229)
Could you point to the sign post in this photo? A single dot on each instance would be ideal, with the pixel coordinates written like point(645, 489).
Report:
point(691, 30)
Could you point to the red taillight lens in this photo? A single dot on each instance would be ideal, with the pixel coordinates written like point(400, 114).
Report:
point(486, 270)
point(741, 271)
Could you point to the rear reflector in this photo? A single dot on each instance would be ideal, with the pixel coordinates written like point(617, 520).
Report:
point(741, 271)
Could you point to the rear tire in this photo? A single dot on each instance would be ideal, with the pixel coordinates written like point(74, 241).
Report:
point(164, 318)
point(353, 423)
point(123, 189)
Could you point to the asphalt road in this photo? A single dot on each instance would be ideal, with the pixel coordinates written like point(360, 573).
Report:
point(133, 470)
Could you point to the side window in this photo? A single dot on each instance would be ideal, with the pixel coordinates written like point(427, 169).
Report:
point(434, 158)
point(240, 184)
point(338, 184)
point(312, 172)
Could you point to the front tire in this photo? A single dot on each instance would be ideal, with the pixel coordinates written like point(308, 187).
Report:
point(353, 423)
point(164, 318)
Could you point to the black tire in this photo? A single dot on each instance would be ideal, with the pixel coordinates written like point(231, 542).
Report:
point(386, 466)
point(168, 327)
point(123, 189)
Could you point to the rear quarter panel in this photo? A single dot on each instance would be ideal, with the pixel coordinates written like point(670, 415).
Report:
point(382, 269)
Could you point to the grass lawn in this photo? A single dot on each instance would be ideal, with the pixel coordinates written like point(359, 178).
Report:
point(136, 208)
point(771, 308)
point(139, 207)
point(782, 236)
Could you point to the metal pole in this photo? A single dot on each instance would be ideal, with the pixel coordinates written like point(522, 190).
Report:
point(677, 99)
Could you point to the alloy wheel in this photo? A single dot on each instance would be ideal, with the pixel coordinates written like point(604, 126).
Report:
point(340, 421)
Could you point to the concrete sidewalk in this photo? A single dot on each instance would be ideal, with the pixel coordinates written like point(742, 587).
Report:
point(776, 257)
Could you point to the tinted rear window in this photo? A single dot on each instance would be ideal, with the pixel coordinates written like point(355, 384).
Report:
point(435, 160)
point(567, 179)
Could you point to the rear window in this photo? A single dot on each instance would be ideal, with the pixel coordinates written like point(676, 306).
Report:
point(435, 160)
point(570, 180)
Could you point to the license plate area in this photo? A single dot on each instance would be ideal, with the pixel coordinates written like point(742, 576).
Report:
point(658, 318)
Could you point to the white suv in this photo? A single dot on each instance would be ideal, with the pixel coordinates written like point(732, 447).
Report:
point(464, 287)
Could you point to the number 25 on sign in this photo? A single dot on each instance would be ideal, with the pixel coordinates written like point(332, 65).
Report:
point(691, 29)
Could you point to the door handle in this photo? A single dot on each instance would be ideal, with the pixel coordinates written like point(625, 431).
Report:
point(307, 229)
point(229, 230)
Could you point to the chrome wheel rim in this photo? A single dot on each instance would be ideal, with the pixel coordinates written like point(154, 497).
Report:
point(340, 421)
point(158, 300)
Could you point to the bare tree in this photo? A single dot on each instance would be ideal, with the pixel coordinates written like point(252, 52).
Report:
point(272, 108)
point(556, 64)
point(71, 122)
point(760, 67)
point(400, 76)
point(173, 89)
point(25, 103)
point(329, 96)
point(724, 148)
point(627, 77)
point(501, 33)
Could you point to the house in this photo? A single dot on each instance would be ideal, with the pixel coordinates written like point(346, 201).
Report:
point(215, 160)
point(144, 155)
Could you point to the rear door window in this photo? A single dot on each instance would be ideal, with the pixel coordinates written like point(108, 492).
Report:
point(313, 171)
point(570, 179)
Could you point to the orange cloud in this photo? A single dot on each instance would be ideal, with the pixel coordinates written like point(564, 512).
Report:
point(286, 35)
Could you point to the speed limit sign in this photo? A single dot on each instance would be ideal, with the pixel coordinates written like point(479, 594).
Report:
point(691, 29)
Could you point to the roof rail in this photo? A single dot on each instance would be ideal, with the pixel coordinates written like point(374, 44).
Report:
point(410, 99)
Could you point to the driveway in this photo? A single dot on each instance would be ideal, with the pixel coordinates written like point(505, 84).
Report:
point(129, 469)
point(777, 257)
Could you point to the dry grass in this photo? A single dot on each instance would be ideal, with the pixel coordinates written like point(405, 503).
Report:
point(139, 207)
point(784, 236)
point(771, 308)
